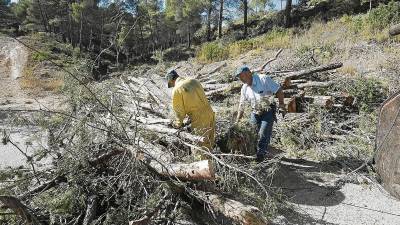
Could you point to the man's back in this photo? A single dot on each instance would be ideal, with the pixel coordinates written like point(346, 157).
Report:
point(192, 94)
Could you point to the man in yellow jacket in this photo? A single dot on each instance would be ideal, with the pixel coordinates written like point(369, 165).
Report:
point(188, 98)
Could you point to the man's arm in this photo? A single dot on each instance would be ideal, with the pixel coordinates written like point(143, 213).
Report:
point(279, 94)
point(241, 105)
point(177, 106)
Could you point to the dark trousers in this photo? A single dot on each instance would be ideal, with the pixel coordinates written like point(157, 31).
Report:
point(263, 123)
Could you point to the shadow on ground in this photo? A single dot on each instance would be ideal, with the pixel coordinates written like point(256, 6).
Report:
point(310, 183)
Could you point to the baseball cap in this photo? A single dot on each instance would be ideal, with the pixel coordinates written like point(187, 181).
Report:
point(171, 75)
point(241, 70)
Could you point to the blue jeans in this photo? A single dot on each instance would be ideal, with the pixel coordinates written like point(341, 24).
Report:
point(263, 123)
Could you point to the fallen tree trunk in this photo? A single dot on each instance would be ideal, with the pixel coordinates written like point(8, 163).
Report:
point(394, 30)
point(233, 210)
point(201, 170)
point(210, 87)
point(313, 84)
point(20, 209)
point(306, 72)
point(160, 161)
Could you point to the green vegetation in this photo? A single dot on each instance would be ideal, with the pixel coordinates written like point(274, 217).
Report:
point(215, 51)
point(369, 92)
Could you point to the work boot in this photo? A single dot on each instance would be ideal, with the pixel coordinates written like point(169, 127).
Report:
point(260, 158)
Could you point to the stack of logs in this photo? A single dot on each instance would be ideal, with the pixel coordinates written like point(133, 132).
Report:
point(294, 85)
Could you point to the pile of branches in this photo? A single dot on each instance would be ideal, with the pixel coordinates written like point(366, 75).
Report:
point(115, 159)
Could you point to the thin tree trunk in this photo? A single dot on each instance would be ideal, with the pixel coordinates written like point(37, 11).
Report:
point(42, 15)
point(209, 21)
point(221, 11)
point(245, 18)
point(288, 10)
point(189, 38)
point(80, 31)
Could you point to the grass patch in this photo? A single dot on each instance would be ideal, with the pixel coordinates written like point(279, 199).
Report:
point(34, 83)
point(215, 51)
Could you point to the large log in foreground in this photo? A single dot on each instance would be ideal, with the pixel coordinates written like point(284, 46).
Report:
point(387, 146)
point(394, 30)
point(161, 162)
point(201, 170)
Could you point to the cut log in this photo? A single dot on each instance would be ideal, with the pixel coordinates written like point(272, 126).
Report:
point(201, 170)
point(291, 105)
point(323, 101)
point(160, 161)
point(209, 87)
point(146, 120)
point(345, 98)
point(314, 84)
point(20, 209)
point(300, 81)
point(287, 82)
point(235, 211)
point(307, 72)
point(394, 30)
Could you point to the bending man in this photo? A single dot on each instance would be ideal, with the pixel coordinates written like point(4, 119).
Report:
point(188, 98)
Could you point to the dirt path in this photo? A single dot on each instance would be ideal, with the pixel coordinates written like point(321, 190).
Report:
point(13, 58)
point(13, 101)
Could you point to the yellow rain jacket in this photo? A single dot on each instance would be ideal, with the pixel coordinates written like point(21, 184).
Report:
point(188, 98)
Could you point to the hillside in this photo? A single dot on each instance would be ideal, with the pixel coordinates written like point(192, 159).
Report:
point(115, 157)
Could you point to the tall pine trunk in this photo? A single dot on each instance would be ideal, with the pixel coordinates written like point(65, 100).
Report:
point(288, 11)
point(209, 21)
point(245, 18)
point(221, 11)
point(188, 37)
point(43, 16)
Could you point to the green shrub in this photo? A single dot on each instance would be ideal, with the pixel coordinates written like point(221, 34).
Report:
point(369, 92)
point(383, 16)
point(212, 52)
point(40, 56)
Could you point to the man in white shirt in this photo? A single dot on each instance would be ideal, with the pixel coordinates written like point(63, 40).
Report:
point(259, 91)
